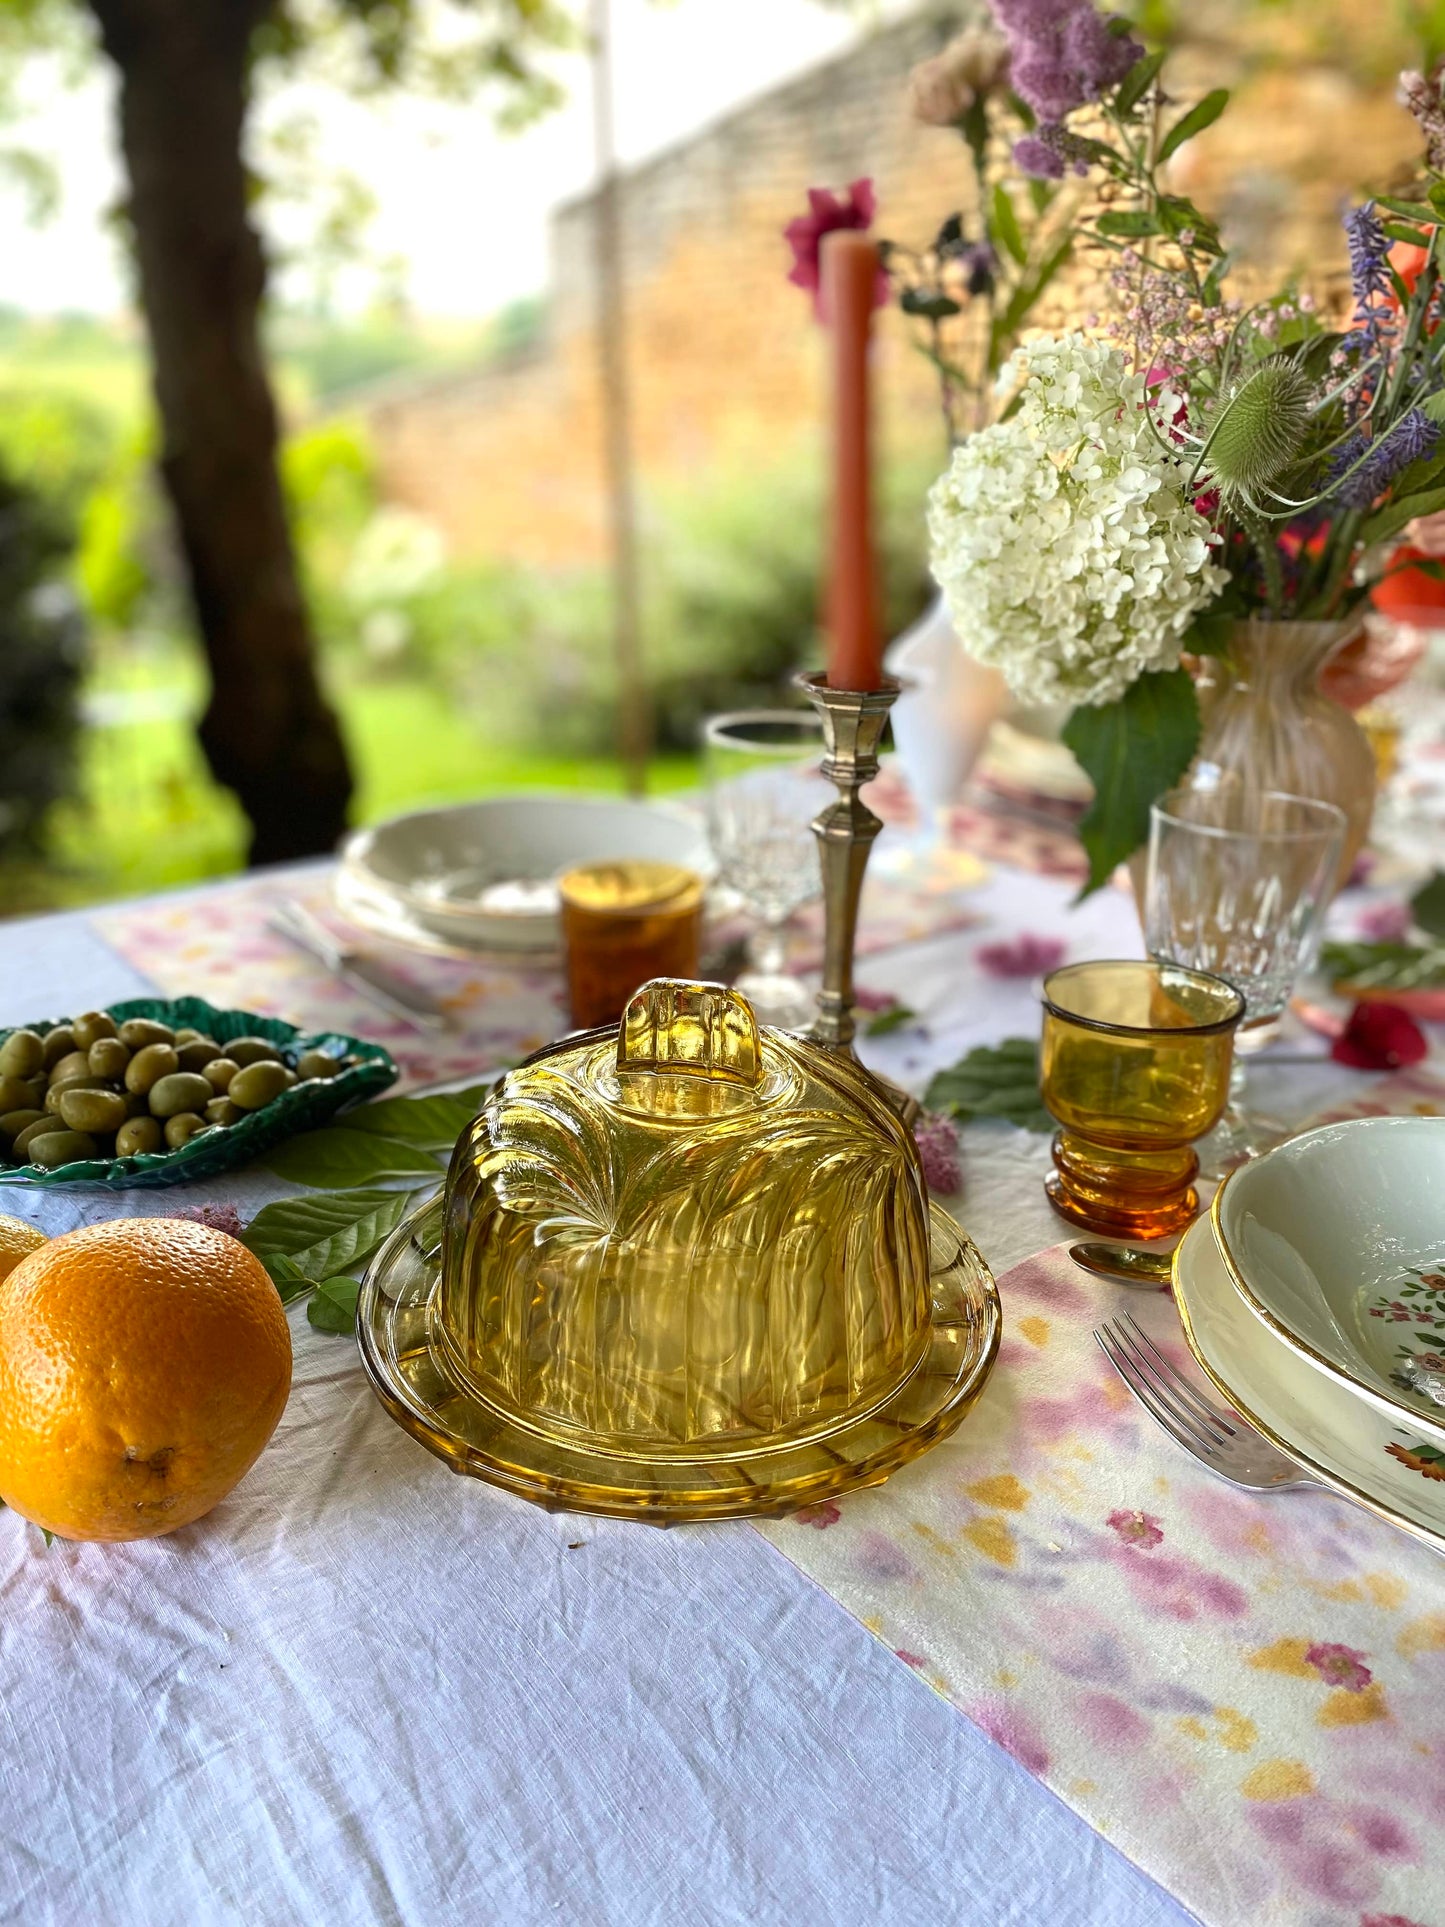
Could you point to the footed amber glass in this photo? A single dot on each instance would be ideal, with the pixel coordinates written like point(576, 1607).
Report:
point(1135, 1067)
point(683, 1268)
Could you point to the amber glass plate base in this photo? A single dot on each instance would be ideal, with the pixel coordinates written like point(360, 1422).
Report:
point(408, 1372)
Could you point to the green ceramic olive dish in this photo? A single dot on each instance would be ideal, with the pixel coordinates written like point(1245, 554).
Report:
point(366, 1070)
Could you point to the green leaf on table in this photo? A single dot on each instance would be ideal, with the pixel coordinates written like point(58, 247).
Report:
point(1390, 519)
point(302, 1239)
point(333, 1305)
point(884, 1021)
point(1132, 750)
point(435, 1123)
point(1006, 224)
point(1384, 966)
point(1427, 906)
point(342, 1158)
point(993, 1081)
point(1202, 114)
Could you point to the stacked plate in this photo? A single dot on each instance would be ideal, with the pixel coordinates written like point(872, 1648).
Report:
point(483, 876)
point(1314, 1297)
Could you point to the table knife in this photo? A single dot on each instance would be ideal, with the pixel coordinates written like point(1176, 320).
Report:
point(419, 1008)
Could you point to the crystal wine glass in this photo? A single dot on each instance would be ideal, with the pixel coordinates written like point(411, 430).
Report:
point(1238, 883)
point(764, 787)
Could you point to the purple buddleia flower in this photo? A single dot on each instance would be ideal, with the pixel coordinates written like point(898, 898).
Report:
point(1376, 464)
point(1062, 53)
point(1036, 157)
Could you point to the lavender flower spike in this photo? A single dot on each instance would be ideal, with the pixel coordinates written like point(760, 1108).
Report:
point(1384, 460)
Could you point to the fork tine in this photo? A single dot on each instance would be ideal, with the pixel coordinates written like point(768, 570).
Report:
point(1173, 1421)
point(1166, 1370)
point(1162, 1392)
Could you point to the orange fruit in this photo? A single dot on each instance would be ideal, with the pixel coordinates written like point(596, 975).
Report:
point(17, 1241)
point(143, 1366)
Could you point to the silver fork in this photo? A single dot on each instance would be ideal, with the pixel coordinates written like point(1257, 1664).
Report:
point(1217, 1437)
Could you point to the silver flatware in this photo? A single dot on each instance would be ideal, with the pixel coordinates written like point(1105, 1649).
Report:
point(391, 993)
point(1216, 1436)
point(1126, 1264)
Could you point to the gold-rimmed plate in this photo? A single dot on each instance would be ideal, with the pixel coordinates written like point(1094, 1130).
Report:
point(1336, 1241)
point(1336, 1437)
point(409, 1372)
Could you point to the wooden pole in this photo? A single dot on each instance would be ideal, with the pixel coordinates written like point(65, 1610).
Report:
point(634, 717)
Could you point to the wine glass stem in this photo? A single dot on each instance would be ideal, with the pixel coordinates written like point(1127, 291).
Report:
point(767, 952)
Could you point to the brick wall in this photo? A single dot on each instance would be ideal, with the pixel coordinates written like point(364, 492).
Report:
point(724, 358)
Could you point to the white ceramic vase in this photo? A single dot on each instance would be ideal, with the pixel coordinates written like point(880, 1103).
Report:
point(940, 722)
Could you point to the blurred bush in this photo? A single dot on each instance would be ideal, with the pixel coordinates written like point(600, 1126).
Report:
point(731, 593)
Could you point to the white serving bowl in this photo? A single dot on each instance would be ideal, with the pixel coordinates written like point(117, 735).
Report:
point(1332, 1239)
point(483, 875)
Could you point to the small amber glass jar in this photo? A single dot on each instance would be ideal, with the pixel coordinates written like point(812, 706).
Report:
point(1135, 1067)
point(624, 924)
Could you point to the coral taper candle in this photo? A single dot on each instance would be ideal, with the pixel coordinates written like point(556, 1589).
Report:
point(849, 264)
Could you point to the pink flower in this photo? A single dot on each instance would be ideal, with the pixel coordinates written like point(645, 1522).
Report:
point(1023, 956)
point(827, 211)
point(937, 1139)
point(1385, 923)
point(1379, 1037)
point(873, 1000)
point(1136, 1528)
point(219, 1217)
point(1340, 1666)
point(822, 1516)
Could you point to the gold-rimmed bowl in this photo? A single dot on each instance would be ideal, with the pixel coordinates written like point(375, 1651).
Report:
point(1336, 1241)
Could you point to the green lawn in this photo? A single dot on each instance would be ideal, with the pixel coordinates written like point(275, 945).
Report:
point(150, 817)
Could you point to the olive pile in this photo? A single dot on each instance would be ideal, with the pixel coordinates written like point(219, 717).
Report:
point(98, 1089)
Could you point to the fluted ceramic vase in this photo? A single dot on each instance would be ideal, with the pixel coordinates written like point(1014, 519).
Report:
point(1268, 726)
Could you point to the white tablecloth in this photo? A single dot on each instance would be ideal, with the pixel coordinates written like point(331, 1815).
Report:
point(363, 1690)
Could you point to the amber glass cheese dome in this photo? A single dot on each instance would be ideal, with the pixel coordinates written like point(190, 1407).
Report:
point(683, 1268)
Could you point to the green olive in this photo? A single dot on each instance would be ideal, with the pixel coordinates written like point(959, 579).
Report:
point(64, 1084)
point(137, 1032)
point(55, 1148)
point(98, 1112)
point(196, 1055)
point(256, 1084)
point(187, 1034)
point(22, 1054)
point(20, 1149)
point(108, 1057)
point(182, 1127)
point(137, 1136)
point(252, 1050)
point(91, 1027)
point(219, 1072)
point(179, 1092)
point(14, 1122)
point(57, 1043)
point(75, 1063)
point(149, 1065)
point(220, 1110)
point(317, 1063)
point(15, 1094)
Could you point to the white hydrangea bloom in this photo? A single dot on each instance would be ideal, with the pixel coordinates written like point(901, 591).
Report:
point(1068, 551)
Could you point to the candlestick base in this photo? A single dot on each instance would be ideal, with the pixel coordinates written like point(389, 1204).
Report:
point(853, 722)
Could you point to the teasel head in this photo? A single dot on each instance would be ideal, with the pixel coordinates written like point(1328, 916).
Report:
point(1260, 432)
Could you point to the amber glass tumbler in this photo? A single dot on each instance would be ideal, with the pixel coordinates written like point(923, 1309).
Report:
point(1135, 1067)
point(624, 924)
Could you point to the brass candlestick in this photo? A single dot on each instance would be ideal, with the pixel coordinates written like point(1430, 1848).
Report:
point(852, 722)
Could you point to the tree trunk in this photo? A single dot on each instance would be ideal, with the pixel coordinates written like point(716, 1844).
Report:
point(267, 731)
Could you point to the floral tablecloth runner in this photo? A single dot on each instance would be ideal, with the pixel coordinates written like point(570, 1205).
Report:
point(219, 947)
point(1244, 1694)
